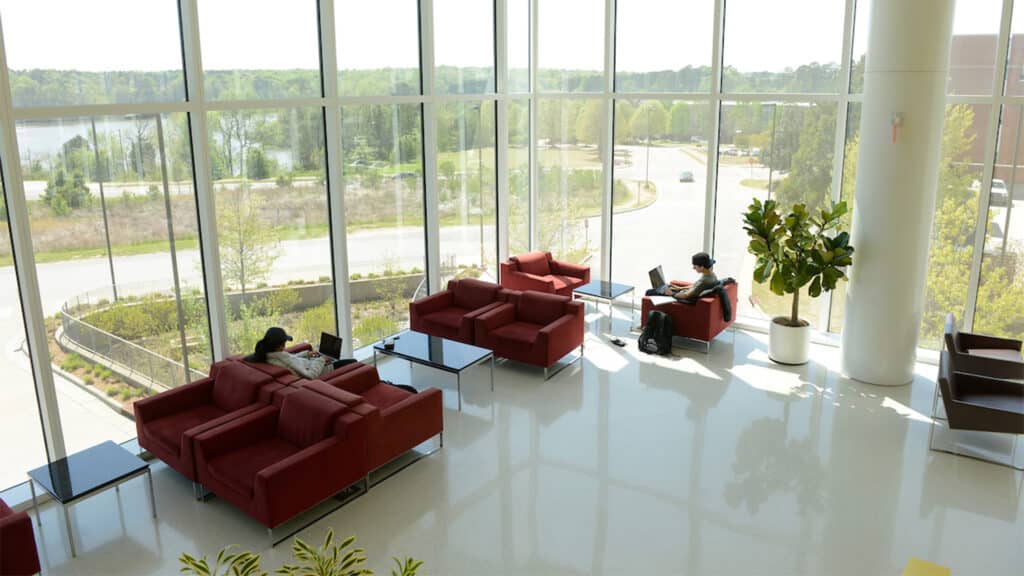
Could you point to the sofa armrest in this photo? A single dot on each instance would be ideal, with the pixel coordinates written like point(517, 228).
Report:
point(978, 384)
point(356, 381)
point(569, 269)
point(431, 304)
point(300, 347)
point(969, 340)
point(256, 425)
point(496, 317)
point(174, 400)
point(522, 281)
point(411, 421)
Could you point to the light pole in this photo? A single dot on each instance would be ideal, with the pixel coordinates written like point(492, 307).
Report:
point(480, 177)
point(647, 161)
point(103, 207)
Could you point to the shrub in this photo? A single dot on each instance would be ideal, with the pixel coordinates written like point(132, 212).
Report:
point(87, 380)
point(71, 363)
point(113, 390)
point(374, 328)
point(356, 276)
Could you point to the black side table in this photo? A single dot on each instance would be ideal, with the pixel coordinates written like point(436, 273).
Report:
point(85, 473)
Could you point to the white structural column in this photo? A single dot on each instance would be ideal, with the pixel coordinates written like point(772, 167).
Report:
point(897, 171)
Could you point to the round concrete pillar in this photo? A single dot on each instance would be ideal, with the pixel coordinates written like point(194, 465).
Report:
point(894, 201)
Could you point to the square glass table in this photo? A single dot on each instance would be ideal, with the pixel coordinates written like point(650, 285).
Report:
point(436, 352)
point(601, 290)
point(85, 473)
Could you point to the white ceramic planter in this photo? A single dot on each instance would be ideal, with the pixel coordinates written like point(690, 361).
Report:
point(788, 344)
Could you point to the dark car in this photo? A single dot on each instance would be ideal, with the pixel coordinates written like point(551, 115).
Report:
point(404, 175)
point(999, 195)
point(686, 176)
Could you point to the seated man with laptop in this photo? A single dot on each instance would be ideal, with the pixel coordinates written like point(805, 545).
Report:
point(308, 364)
point(702, 263)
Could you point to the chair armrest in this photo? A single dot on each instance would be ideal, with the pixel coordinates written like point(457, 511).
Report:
point(523, 281)
point(977, 384)
point(970, 340)
point(499, 316)
point(174, 400)
point(253, 426)
point(569, 269)
point(18, 545)
point(431, 304)
point(558, 329)
point(987, 366)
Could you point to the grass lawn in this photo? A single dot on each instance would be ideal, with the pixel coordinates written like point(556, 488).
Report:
point(758, 183)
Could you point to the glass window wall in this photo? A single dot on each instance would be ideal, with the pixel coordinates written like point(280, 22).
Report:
point(383, 154)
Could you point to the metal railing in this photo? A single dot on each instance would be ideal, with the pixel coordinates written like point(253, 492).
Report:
point(131, 360)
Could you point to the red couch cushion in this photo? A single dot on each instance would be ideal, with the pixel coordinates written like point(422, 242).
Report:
point(169, 430)
point(384, 395)
point(449, 317)
point(517, 336)
point(5, 510)
point(236, 385)
point(533, 263)
point(307, 417)
point(238, 469)
point(540, 308)
point(471, 294)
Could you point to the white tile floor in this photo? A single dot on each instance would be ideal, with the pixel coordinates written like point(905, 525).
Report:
point(720, 464)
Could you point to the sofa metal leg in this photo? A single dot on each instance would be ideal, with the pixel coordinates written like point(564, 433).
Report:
point(440, 438)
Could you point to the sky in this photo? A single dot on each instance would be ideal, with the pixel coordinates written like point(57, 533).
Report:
point(98, 35)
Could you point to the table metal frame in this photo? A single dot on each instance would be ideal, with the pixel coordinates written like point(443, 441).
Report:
point(449, 369)
point(115, 483)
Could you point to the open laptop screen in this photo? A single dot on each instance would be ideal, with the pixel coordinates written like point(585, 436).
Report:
point(657, 277)
point(330, 345)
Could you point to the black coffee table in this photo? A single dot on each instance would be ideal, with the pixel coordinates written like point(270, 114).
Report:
point(601, 290)
point(85, 473)
point(436, 352)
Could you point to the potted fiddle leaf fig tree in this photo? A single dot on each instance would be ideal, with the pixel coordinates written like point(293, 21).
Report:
point(796, 250)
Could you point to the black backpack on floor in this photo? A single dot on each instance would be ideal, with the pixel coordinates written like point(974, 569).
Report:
point(657, 335)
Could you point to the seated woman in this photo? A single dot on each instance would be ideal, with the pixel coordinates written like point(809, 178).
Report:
point(308, 363)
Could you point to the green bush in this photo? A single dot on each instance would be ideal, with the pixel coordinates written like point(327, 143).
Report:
point(374, 328)
point(356, 276)
point(114, 390)
point(87, 380)
point(72, 362)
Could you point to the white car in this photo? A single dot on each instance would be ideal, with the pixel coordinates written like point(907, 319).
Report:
point(999, 195)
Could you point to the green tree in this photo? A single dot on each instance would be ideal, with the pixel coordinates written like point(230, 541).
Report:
point(63, 195)
point(810, 177)
point(259, 166)
point(650, 121)
point(248, 248)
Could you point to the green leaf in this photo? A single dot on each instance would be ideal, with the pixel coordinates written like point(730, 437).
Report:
point(815, 288)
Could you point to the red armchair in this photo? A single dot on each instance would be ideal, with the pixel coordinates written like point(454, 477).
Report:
point(535, 328)
point(450, 314)
point(168, 422)
point(18, 554)
point(702, 320)
point(397, 420)
point(275, 463)
point(538, 271)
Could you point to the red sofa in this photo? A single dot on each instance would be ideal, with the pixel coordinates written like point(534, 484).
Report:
point(277, 462)
point(538, 271)
point(168, 422)
point(702, 320)
point(450, 313)
point(397, 420)
point(18, 554)
point(533, 327)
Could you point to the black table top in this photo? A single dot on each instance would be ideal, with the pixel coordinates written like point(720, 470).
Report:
point(84, 472)
point(602, 289)
point(435, 351)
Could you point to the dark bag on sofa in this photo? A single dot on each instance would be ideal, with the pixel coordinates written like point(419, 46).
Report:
point(657, 335)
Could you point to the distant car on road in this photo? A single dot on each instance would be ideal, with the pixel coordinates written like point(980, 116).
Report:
point(686, 176)
point(999, 195)
point(404, 175)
